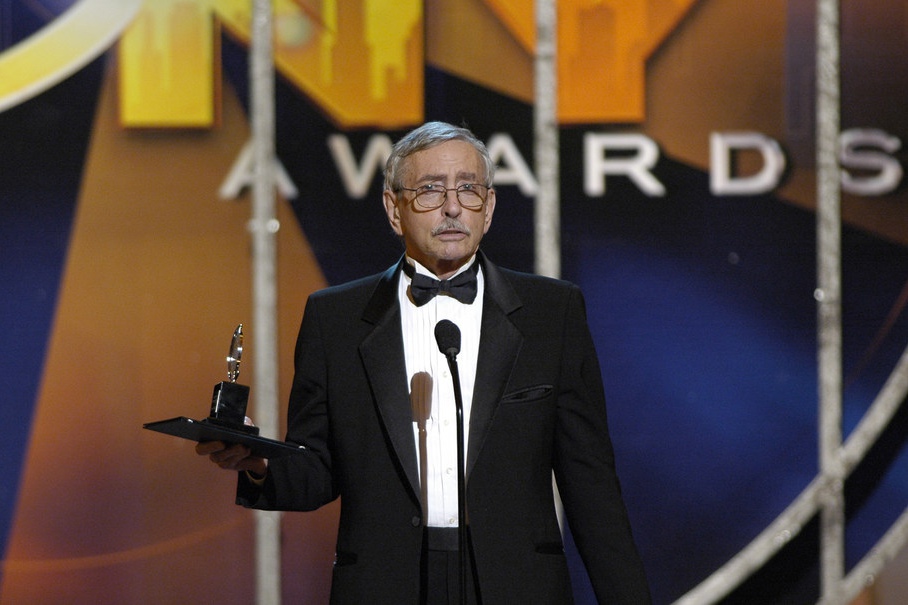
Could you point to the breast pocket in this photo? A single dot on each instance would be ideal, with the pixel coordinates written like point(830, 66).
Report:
point(529, 394)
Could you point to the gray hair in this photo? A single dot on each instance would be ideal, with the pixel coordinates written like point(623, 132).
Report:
point(429, 135)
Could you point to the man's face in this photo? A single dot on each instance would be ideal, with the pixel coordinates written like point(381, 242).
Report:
point(444, 238)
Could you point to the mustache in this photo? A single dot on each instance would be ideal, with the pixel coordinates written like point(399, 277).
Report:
point(451, 224)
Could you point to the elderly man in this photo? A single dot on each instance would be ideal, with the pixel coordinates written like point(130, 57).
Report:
point(374, 404)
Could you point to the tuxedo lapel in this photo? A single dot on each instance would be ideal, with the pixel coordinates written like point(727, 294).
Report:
point(382, 353)
point(500, 342)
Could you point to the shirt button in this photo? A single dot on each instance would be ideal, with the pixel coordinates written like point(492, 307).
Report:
point(449, 471)
point(452, 521)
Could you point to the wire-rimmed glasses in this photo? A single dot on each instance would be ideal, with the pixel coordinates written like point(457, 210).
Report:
point(432, 195)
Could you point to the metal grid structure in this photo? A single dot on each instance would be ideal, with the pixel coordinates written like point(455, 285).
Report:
point(825, 494)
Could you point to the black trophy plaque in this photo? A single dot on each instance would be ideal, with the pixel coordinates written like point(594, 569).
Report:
point(227, 418)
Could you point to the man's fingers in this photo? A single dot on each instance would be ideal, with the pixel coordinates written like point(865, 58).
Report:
point(231, 457)
point(204, 448)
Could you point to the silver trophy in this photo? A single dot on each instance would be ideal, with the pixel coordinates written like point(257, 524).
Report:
point(228, 403)
point(226, 422)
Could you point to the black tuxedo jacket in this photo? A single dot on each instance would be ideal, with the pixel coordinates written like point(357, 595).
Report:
point(538, 406)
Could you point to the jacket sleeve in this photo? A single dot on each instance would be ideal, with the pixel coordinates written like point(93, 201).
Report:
point(300, 481)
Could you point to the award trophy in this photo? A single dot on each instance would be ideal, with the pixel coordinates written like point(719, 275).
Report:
point(226, 420)
point(228, 403)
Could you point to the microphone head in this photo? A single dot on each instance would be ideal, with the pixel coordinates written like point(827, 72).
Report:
point(447, 335)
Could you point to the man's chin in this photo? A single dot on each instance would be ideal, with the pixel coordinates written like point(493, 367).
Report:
point(447, 262)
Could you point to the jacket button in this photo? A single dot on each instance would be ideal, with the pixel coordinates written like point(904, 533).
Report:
point(415, 521)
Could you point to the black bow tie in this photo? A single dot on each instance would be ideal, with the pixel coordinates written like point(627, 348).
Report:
point(424, 288)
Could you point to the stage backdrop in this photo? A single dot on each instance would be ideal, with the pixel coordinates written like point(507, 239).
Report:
point(687, 188)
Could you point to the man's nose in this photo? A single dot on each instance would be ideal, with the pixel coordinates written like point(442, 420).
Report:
point(452, 206)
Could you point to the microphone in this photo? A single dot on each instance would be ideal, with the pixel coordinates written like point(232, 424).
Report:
point(447, 335)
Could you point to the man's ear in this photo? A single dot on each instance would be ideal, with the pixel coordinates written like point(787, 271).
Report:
point(392, 211)
point(489, 209)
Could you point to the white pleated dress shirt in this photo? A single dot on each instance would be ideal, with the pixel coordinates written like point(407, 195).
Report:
point(432, 390)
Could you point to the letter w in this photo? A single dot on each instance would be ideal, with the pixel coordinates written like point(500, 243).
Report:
point(356, 179)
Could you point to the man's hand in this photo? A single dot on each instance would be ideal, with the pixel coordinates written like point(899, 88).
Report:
point(233, 457)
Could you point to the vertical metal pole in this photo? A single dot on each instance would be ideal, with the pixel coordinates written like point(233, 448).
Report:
point(829, 302)
point(548, 208)
point(263, 227)
point(547, 211)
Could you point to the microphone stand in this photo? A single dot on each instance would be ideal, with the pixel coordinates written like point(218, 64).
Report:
point(447, 335)
point(461, 477)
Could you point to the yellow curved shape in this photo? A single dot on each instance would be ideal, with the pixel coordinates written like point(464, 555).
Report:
point(62, 48)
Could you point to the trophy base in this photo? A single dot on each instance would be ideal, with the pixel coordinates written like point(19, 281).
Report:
point(228, 404)
point(246, 428)
point(206, 430)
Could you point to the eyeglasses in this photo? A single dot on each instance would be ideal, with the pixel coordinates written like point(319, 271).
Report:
point(432, 195)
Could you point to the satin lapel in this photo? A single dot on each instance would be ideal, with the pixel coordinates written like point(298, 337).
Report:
point(382, 353)
point(498, 348)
